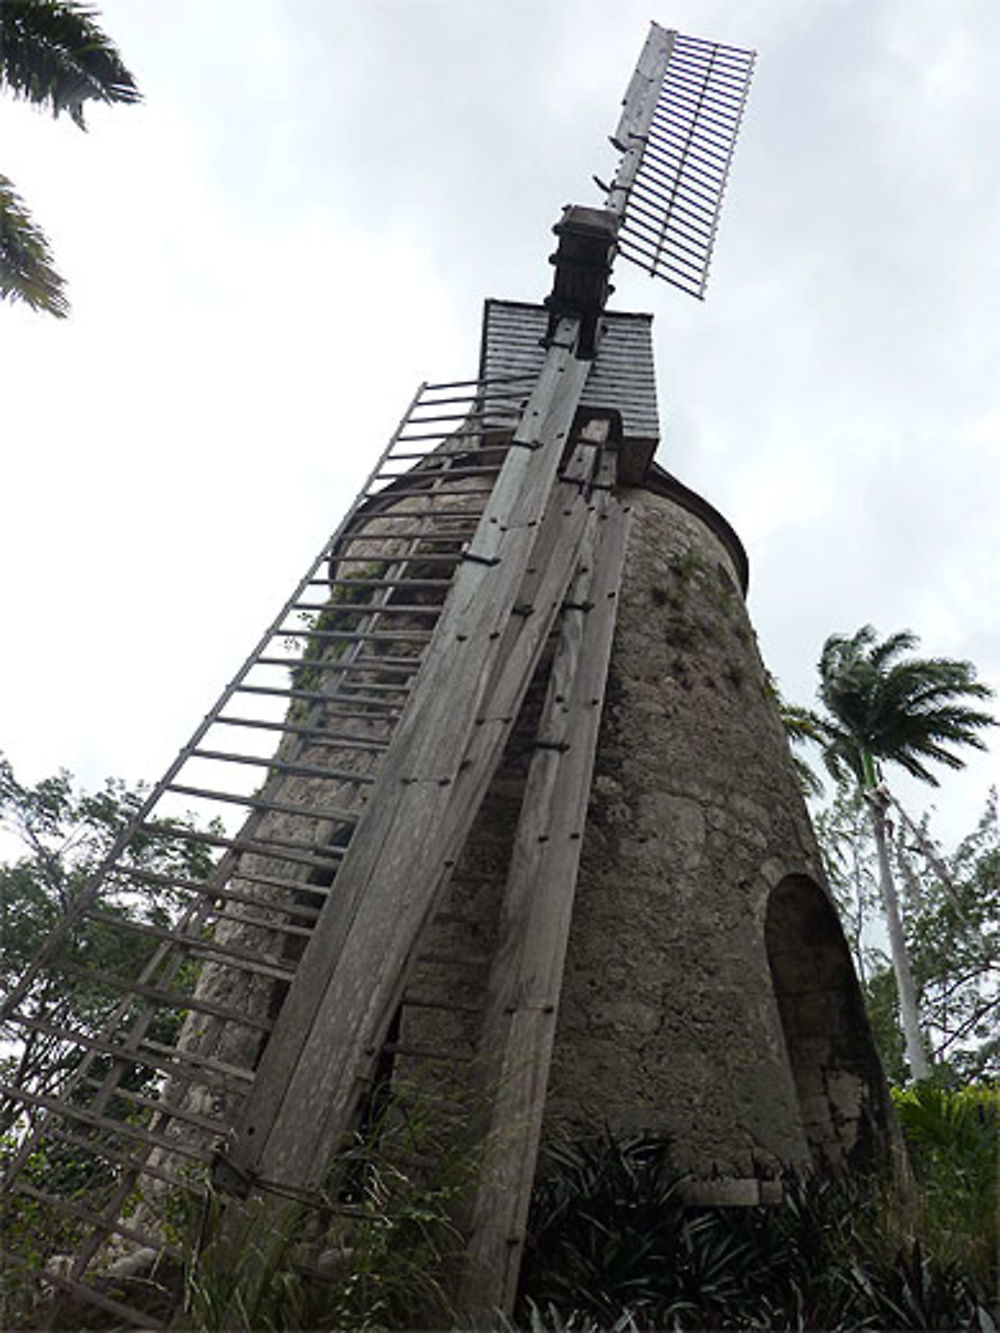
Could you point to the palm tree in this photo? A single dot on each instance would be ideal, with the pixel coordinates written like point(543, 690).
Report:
point(55, 55)
point(884, 707)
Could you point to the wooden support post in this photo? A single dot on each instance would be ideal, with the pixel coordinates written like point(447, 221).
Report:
point(526, 976)
point(423, 801)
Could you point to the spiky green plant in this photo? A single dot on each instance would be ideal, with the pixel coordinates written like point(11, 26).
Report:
point(612, 1245)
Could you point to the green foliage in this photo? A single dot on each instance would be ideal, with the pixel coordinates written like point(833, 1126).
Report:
point(801, 727)
point(882, 706)
point(953, 1138)
point(613, 1246)
point(378, 1252)
point(951, 924)
point(906, 712)
point(27, 272)
point(52, 53)
point(66, 836)
point(239, 1275)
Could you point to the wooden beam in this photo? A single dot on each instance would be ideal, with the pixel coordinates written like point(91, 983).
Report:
point(526, 977)
point(421, 805)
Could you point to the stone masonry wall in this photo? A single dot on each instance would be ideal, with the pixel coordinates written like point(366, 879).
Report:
point(669, 1020)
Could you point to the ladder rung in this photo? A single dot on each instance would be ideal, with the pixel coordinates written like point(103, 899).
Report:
point(161, 1106)
point(486, 470)
point(301, 770)
point(421, 492)
point(125, 1315)
point(428, 607)
point(426, 519)
point(257, 803)
point(123, 1128)
point(346, 686)
point(393, 636)
point(315, 854)
point(475, 398)
point(313, 695)
point(241, 959)
point(384, 609)
point(452, 1006)
point(423, 1052)
point(387, 714)
point(345, 670)
point(122, 1159)
point(155, 1055)
point(322, 664)
point(443, 584)
point(64, 1205)
point(407, 664)
point(423, 534)
point(173, 1000)
point(414, 557)
point(282, 928)
point(315, 735)
point(207, 889)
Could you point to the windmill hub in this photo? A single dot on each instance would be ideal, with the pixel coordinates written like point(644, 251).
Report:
point(587, 247)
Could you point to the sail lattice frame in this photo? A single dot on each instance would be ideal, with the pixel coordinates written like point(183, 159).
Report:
point(677, 134)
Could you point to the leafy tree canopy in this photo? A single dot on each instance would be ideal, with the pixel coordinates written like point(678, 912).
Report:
point(64, 836)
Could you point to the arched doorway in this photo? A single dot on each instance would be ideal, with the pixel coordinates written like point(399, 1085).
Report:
point(838, 1077)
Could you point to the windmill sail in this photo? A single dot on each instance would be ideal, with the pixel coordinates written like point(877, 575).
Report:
point(676, 134)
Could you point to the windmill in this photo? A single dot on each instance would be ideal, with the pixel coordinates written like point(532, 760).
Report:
point(430, 770)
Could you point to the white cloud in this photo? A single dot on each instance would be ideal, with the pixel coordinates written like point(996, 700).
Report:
point(302, 221)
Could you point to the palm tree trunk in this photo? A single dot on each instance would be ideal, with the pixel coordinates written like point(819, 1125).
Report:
point(909, 1015)
point(931, 857)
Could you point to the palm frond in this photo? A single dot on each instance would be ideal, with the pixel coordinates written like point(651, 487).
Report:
point(801, 725)
point(26, 271)
point(54, 54)
point(883, 653)
point(901, 711)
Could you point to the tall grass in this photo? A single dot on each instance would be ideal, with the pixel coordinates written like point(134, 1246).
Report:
point(379, 1250)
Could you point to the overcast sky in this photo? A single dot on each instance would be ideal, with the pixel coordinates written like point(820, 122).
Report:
point(301, 222)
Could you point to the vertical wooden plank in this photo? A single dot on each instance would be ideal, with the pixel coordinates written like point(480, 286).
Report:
point(526, 976)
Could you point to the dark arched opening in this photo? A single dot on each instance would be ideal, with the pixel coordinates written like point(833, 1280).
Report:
point(838, 1077)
